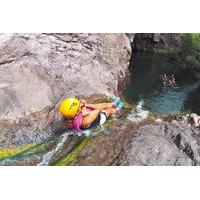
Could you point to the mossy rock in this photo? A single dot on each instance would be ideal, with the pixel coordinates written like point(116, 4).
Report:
point(26, 150)
point(72, 155)
point(4, 153)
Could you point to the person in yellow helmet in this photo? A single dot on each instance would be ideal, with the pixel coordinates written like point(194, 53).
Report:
point(69, 107)
point(84, 115)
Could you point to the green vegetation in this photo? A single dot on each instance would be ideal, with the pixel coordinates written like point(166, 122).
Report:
point(10, 152)
point(187, 53)
point(191, 49)
point(26, 150)
point(72, 155)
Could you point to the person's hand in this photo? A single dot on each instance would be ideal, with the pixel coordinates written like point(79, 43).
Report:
point(82, 103)
point(84, 111)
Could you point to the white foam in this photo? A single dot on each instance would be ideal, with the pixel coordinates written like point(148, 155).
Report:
point(158, 120)
point(138, 114)
point(47, 157)
point(87, 133)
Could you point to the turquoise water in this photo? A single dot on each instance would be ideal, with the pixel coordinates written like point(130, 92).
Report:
point(147, 85)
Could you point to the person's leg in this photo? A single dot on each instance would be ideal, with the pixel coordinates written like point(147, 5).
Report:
point(101, 106)
point(88, 119)
point(109, 111)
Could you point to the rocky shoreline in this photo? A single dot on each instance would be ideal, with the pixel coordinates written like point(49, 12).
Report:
point(150, 142)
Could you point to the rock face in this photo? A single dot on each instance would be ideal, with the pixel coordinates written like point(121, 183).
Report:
point(148, 41)
point(123, 142)
point(162, 144)
point(193, 100)
point(38, 70)
point(165, 143)
point(157, 143)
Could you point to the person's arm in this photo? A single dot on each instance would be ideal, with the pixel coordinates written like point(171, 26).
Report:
point(92, 106)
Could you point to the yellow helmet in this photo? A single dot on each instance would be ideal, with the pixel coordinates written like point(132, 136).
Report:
point(69, 107)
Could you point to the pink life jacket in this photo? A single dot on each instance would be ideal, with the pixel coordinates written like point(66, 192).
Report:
point(76, 124)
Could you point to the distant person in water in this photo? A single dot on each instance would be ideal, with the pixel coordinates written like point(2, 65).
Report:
point(84, 115)
point(168, 80)
point(172, 80)
point(164, 79)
